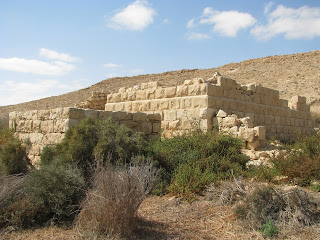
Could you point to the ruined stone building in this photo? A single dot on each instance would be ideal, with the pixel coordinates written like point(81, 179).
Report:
point(251, 112)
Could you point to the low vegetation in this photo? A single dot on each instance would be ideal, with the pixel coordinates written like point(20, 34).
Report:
point(100, 173)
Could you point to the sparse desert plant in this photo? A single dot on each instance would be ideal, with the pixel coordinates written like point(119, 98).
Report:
point(56, 191)
point(91, 138)
point(13, 157)
point(202, 156)
point(111, 205)
point(301, 164)
point(4, 123)
point(316, 118)
point(190, 179)
point(15, 208)
point(286, 209)
point(269, 229)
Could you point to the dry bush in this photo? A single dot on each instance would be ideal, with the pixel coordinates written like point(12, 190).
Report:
point(111, 206)
point(287, 209)
point(16, 209)
point(11, 186)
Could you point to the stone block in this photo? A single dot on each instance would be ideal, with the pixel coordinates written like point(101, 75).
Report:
point(45, 114)
point(124, 97)
point(139, 117)
point(154, 117)
point(121, 116)
point(260, 131)
point(163, 104)
point(215, 102)
point(199, 102)
point(144, 86)
point(298, 99)
point(136, 106)
point(253, 145)
point(119, 107)
point(103, 115)
point(146, 127)
point(156, 127)
point(230, 121)
point(35, 137)
point(186, 103)
point(140, 95)
point(73, 113)
point(127, 106)
point(91, 114)
point(214, 90)
point(145, 106)
point(174, 103)
point(207, 113)
point(130, 124)
point(170, 92)
point(150, 93)
point(109, 107)
point(47, 126)
point(159, 93)
point(169, 115)
point(222, 113)
point(187, 82)
point(152, 84)
point(247, 122)
point(193, 90)
point(182, 91)
point(247, 134)
point(174, 125)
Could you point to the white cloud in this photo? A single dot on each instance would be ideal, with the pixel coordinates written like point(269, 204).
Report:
point(35, 66)
point(111, 65)
point(135, 17)
point(198, 36)
point(50, 54)
point(227, 23)
point(166, 20)
point(13, 92)
point(191, 23)
point(268, 6)
point(303, 22)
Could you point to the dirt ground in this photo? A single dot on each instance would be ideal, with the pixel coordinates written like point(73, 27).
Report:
point(172, 218)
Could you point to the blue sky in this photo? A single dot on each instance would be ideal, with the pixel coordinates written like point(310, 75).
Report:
point(52, 47)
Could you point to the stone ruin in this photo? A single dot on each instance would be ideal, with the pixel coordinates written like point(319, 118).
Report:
point(251, 112)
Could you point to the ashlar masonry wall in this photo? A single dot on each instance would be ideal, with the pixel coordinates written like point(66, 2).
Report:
point(198, 101)
point(48, 127)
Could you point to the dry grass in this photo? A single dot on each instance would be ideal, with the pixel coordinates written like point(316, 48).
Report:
point(11, 186)
point(110, 207)
point(168, 217)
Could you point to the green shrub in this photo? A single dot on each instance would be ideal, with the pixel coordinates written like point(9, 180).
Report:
point(190, 179)
point(92, 138)
point(262, 173)
point(269, 230)
point(13, 157)
point(204, 155)
point(301, 164)
point(56, 191)
point(4, 123)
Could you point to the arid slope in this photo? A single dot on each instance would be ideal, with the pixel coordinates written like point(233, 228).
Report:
point(290, 74)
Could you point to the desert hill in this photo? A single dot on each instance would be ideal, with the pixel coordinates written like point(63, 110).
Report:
point(296, 74)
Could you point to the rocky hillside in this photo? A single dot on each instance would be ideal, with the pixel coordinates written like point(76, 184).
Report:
point(296, 74)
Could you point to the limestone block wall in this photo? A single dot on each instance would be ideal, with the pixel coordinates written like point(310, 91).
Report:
point(47, 127)
point(182, 108)
point(198, 101)
point(96, 101)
